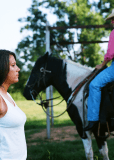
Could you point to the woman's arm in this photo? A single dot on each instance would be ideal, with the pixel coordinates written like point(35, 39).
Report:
point(3, 107)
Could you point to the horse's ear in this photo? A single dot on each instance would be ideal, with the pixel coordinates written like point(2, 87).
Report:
point(46, 55)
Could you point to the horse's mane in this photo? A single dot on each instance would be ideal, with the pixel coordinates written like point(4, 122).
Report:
point(78, 65)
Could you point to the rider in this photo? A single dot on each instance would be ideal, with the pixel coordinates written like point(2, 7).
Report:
point(104, 77)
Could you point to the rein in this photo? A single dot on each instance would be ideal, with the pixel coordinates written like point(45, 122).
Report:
point(45, 103)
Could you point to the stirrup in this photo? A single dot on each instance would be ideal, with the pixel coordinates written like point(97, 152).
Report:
point(105, 137)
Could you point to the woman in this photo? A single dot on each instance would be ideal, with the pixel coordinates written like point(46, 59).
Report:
point(100, 81)
point(12, 119)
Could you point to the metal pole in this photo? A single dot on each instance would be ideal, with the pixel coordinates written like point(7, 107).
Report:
point(51, 95)
point(47, 89)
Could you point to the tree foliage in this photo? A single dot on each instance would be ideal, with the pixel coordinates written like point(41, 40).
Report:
point(69, 13)
point(78, 12)
point(33, 45)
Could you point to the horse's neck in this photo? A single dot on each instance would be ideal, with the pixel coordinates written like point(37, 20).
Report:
point(67, 77)
point(60, 78)
point(76, 73)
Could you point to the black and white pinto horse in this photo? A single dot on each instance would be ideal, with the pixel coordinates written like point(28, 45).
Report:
point(65, 75)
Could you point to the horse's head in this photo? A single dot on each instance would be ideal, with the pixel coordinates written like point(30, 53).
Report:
point(40, 77)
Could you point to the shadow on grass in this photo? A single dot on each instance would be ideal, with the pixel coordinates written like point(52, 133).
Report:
point(57, 151)
point(39, 149)
point(51, 150)
point(64, 151)
point(73, 150)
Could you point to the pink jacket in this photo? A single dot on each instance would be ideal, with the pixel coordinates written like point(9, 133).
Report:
point(110, 51)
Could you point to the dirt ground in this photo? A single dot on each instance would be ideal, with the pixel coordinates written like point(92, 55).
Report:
point(57, 134)
point(68, 133)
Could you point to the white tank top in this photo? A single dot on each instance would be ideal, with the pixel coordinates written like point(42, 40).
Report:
point(12, 136)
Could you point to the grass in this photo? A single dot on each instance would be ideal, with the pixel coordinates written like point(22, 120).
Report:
point(36, 118)
point(64, 151)
point(59, 151)
point(48, 150)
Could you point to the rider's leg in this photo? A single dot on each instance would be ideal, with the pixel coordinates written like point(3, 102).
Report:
point(95, 86)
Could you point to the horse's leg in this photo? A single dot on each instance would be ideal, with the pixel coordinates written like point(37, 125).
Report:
point(102, 144)
point(75, 117)
point(88, 146)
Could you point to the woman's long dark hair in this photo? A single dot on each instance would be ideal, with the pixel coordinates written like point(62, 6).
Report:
point(4, 64)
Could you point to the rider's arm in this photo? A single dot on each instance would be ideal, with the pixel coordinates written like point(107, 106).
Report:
point(104, 63)
point(110, 51)
point(101, 65)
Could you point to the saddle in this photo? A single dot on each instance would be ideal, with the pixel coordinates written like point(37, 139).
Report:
point(106, 115)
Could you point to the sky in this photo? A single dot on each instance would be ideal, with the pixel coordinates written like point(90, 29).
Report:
point(10, 12)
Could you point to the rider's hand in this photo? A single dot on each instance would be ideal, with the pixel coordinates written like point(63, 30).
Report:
point(98, 66)
point(101, 65)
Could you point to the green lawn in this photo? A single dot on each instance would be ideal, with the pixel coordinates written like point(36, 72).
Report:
point(47, 150)
point(36, 118)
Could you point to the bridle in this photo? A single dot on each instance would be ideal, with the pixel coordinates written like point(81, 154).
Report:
point(42, 70)
point(43, 103)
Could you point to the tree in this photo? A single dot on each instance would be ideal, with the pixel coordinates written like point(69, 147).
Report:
point(78, 13)
point(105, 8)
point(69, 13)
point(33, 45)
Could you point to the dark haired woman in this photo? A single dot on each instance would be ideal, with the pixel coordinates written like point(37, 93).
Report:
point(104, 77)
point(12, 119)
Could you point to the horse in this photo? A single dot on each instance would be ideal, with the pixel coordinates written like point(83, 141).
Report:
point(65, 75)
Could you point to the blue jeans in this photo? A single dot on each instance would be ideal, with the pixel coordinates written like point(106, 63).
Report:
point(94, 99)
